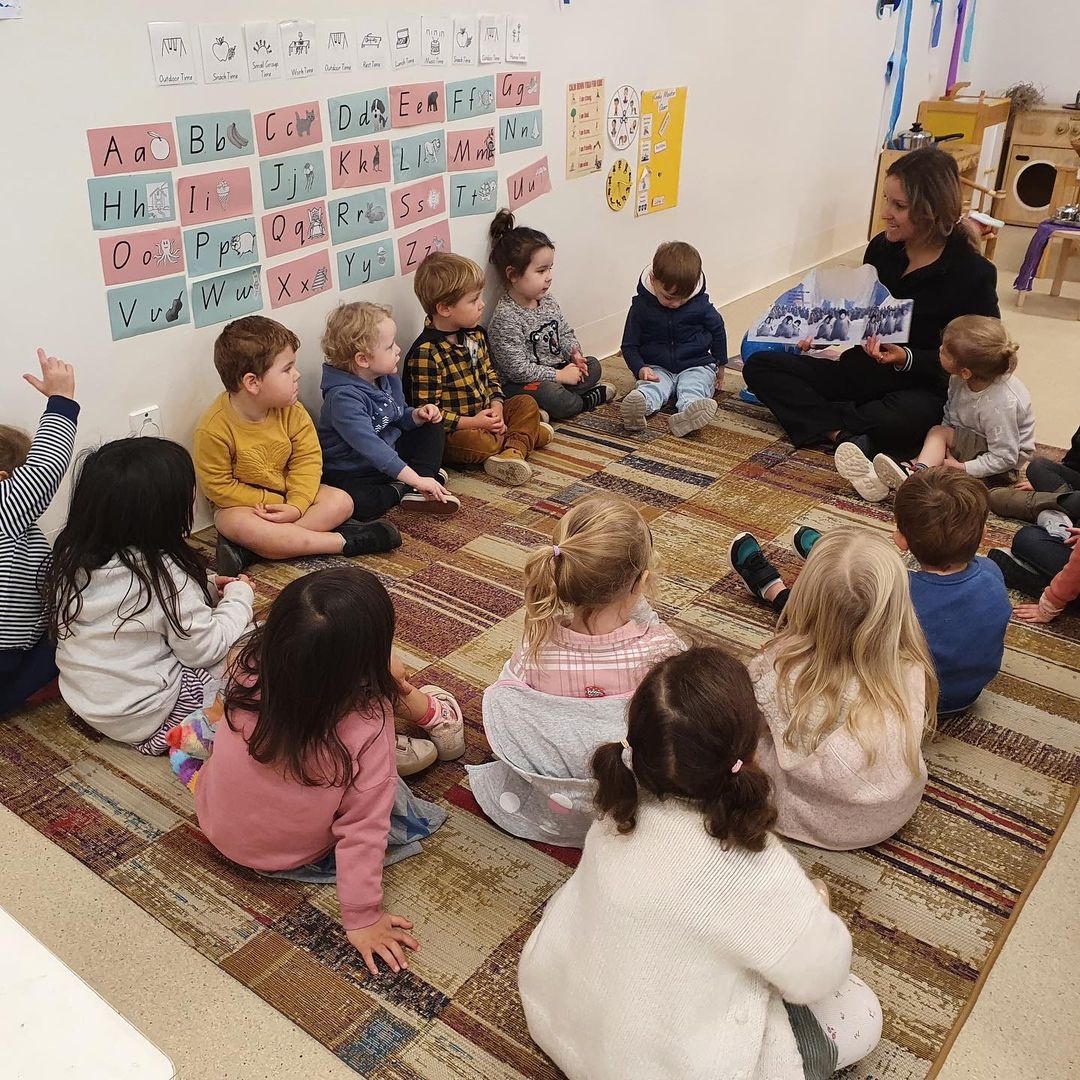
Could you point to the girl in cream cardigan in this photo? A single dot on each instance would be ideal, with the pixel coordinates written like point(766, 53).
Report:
point(689, 944)
point(848, 690)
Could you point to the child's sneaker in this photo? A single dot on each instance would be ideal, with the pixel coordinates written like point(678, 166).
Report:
point(447, 728)
point(749, 562)
point(1056, 522)
point(419, 503)
point(368, 537)
point(231, 559)
point(545, 435)
point(805, 538)
point(855, 467)
point(632, 411)
point(694, 417)
point(598, 395)
point(414, 755)
point(749, 397)
point(509, 467)
point(890, 472)
point(544, 416)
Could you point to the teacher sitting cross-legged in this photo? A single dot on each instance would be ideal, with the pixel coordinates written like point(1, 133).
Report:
point(885, 397)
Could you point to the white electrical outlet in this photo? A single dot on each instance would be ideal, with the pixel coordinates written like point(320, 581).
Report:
point(145, 421)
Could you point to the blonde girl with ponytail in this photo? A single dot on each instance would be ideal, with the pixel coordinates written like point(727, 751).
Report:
point(689, 943)
point(589, 630)
point(989, 427)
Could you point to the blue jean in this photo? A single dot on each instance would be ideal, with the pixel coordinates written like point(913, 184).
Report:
point(323, 872)
point(687, 386)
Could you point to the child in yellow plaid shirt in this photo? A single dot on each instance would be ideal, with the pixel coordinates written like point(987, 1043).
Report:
point(449, 366)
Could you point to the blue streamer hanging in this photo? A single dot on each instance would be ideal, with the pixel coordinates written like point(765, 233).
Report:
point(935, 32)
point(898, 66)
point(969, 33)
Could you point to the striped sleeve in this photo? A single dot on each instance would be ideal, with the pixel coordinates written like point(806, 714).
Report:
point(25, 495)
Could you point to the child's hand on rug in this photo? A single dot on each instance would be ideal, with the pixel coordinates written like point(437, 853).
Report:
point(384, 938)
point(1034, 613)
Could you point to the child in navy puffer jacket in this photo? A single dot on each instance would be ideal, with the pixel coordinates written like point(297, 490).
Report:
point(673, 342)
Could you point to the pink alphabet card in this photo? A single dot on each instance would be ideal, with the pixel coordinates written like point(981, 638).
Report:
point(359, 164)
point(517, 89)
point(139, 256)
point(214, 196)
point(417, 103)
point(415, 247)
point(136, 148)
point(472, 149)
point(288, 128)
point(528, 183)
point(300, 279)
point(291, 227)
point(420, 201)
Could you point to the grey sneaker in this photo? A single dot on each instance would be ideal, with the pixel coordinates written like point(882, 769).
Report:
point(694, 417)
point(509, 467)
point(1056, 522)
point(632, 411)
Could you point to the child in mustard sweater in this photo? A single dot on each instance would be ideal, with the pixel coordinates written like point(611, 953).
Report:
point(258, 459)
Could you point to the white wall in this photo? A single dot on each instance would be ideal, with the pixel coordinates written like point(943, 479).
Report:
point(776, 174)
point(1034, 41)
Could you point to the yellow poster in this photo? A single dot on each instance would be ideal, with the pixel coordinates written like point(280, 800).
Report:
point(584, 128)
point(663, 114)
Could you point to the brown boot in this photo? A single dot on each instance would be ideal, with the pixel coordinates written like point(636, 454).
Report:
point(1007, 502)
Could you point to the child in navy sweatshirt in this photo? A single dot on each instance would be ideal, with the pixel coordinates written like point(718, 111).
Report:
point(374, 446)
point(673, 342)
point(30, 473)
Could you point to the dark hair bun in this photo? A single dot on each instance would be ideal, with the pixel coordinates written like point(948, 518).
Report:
point(501, 224)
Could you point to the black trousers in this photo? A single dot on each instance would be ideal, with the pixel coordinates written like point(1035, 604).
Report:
point(1042, 552)
point(558, 401)
point(23, 672)
point(421, 449)
point(811, 397)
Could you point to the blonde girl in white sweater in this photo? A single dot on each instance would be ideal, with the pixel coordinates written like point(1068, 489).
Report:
point(689, 944)
point(848, 691)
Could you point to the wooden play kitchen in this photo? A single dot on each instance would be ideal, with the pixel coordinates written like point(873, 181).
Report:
point(972, 129)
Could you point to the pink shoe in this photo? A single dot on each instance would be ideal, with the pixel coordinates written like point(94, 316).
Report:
point(447, 729)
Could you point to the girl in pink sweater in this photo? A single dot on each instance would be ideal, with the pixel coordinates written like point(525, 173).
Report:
point(589, 631)
point(302, 777)
point(848, 691)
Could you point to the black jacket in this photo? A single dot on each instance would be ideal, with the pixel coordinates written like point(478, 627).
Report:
point(960, 282)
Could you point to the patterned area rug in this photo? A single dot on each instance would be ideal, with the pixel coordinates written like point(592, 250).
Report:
point(925, 908)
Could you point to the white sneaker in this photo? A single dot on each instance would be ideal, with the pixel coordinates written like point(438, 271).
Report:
point(855, 467)
point(414, 755)
point(544, 417)
point(447, 730)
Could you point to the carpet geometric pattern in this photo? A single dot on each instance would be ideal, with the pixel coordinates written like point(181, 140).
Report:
point(925, 908)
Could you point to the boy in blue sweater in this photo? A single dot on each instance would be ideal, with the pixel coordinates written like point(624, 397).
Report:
point(374, 446)
point(673, 342)
point(959, 596)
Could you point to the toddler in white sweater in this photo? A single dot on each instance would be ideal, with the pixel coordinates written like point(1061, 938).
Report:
point(689, 943)
point(140, 629)
point(988, 429)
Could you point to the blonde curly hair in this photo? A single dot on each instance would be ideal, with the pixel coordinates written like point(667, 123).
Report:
point(351, 329)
